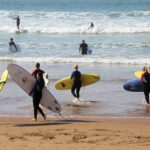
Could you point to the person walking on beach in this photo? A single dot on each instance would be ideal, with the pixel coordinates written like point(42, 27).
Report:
point(145, 80)
point(37, 70)
point(76, 75)
point(12, 43)
point(17, 22)
point(37, 95)
point(91, 26)
point(83, 48)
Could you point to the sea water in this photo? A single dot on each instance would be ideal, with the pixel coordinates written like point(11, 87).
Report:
point(51, 32)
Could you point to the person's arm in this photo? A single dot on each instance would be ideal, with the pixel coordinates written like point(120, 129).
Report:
point(141, 78)
point(72, 75)
point(35, 85)
point(32, 72)
point(15, 46)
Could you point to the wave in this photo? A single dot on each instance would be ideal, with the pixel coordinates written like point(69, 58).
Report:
point(75, 22)
point(85, 60)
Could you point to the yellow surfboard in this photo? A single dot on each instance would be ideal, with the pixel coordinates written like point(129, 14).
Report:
point(86, 79)
point(3, 79)
point(138, 74)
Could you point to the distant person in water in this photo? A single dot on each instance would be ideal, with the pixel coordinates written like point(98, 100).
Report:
point(37, 95)
point(91, 25)
point(37, 70)
point(145, 80)
point(12, 43)
point(83, 48)
point(18, 22)
point(76, 75)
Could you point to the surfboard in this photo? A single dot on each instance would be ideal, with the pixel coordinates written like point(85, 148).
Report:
point(12, 48)
point(133, 86)
point(138, 74)
point(26, 82)
point(89, 51)
point(86, 79)
point(46, 79)
point(3, 79)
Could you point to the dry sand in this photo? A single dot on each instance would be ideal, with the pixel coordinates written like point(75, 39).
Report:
point(75, 134)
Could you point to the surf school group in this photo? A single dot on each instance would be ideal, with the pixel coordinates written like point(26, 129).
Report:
point(74, 83)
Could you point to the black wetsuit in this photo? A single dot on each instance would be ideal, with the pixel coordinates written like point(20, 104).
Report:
point(35, 72)
point(18, 22)
point(37, 95)
point(146, 85)
point(76, 83)
point(83, 48)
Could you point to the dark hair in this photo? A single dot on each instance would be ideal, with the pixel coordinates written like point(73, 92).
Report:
point(11, 39)
point(37, 65)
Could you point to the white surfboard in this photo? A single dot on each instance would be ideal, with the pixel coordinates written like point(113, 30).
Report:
point(12, 48)
point(26, 82)
point(46, 79)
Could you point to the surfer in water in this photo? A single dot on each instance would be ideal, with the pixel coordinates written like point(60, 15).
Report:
point(12, 43)
point(37, 70)
point(17, 22)
point(37, 95)
point(145, 80)
point(76, 75)
point(91, 26)
point(83, 48)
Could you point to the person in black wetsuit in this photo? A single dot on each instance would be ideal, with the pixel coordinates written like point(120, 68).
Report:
point(37, 70)
point(145, 80)
point(76, 75)
point(83, 48)
point(37, 95)
point(12, 43)
point(91, 25)
point(18, 22)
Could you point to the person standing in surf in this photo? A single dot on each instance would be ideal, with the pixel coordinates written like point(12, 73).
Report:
point(37, 95)
point(145, 80)
point(83, 48)
point(12, 43)
point(18, 22)
point(76, 75)
point(37, 70)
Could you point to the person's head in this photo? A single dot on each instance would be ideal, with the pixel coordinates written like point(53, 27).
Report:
point(83, 41)
point(145, 69)
point(17, 16)
point(75, 67)
point(39, 76)
point(11, 39)
point(37, 65)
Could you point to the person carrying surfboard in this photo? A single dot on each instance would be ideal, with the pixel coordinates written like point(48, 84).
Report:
point(37, 95)
point(37, 70)
point(76, 75)
point(83, 48)
point(145, 80)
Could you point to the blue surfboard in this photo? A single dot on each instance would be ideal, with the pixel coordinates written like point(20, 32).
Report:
point(133, 86)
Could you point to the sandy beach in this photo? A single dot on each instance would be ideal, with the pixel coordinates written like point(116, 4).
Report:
point(76, 133)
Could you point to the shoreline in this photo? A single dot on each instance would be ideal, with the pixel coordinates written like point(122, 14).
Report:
point(76, 133)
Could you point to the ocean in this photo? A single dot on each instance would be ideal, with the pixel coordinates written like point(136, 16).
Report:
point(51, 32)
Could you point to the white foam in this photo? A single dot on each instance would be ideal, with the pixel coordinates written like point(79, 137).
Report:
point(76, 22)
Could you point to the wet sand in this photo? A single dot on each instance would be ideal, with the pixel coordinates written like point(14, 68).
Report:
point(76, 133)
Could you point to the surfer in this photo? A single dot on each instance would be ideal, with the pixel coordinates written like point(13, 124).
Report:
point(12, 43)
point(37, 95)
point(91, 26)
point(83, 48)
point(37, 70)
point(17, 22)
point(145, 80)
point(76, 82)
